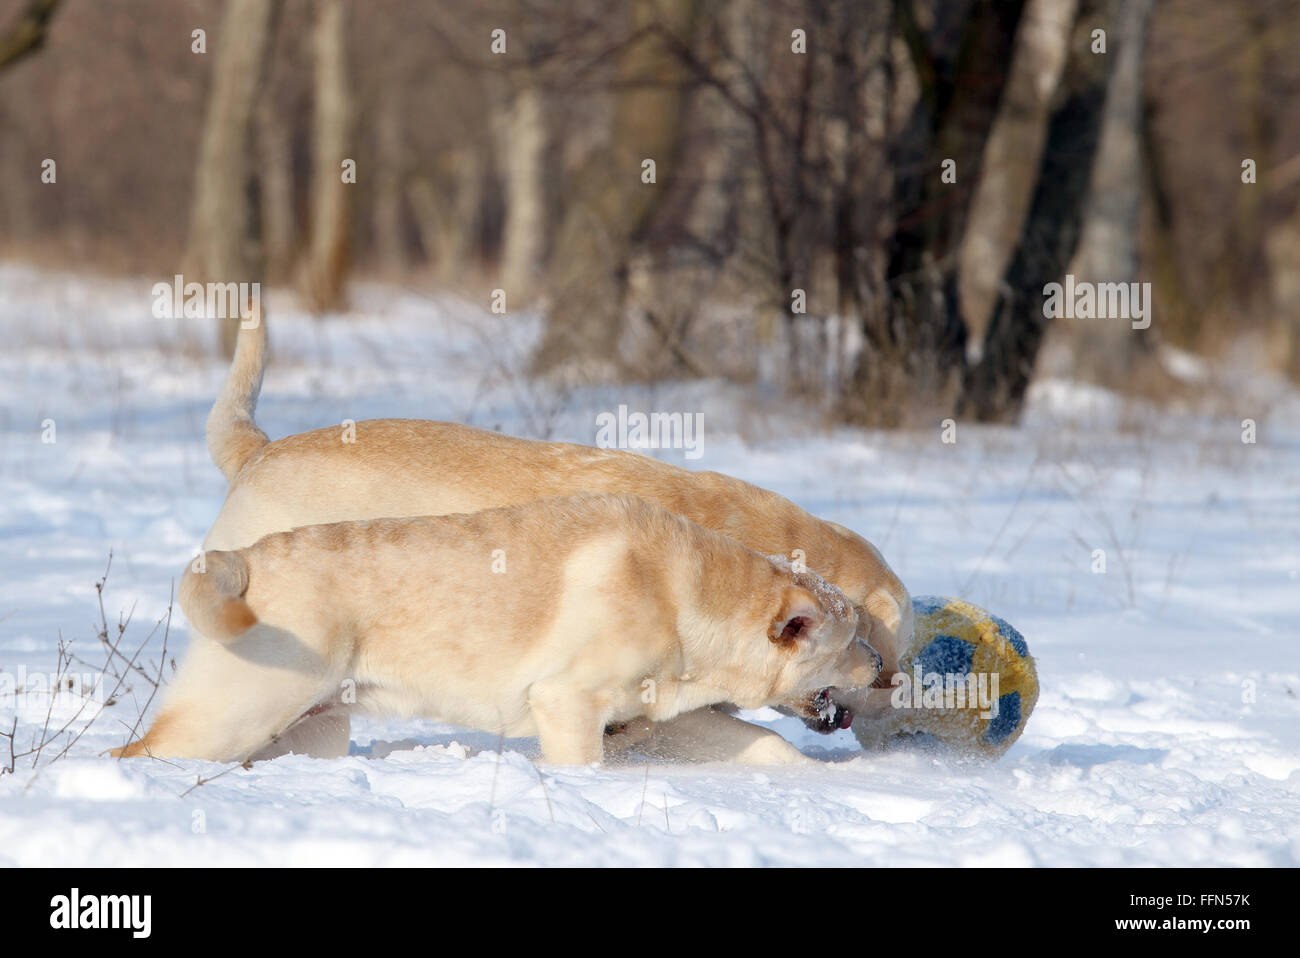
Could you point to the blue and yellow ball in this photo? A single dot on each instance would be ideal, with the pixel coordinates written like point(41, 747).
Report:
point(966, 684)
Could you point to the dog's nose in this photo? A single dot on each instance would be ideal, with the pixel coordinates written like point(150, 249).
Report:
point(875, 656)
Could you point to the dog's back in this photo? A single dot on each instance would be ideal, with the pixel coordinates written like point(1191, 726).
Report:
point(406, 467)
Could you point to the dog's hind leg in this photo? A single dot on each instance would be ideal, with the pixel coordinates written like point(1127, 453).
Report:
point(230, 701)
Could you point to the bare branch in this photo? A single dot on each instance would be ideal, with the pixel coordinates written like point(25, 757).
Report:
point(27, 34)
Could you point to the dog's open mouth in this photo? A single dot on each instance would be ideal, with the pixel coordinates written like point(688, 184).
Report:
point(829, 714)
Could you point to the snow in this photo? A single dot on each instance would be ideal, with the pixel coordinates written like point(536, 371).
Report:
point(1167, 732)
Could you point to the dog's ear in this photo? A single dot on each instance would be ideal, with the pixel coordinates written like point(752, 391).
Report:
point(797, 616)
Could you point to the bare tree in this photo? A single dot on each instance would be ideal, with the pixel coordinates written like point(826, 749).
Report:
point(994, 388)
point(613, 206)
point(279, 224)
point(817, 168)
point(1012, 157)
point(223, 220)
point(521, 140)
point(327, 256)
point(1107, 351)
point(390, 177)
point(916, 346)
point(1282, 248)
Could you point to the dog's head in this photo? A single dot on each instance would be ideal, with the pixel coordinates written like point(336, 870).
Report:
point(813, 647)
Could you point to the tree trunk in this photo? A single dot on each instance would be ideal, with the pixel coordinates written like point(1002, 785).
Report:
point(589, 271)
point(916, 348)
point(1011, 160)
point(223, 220)
point(327, 257)
point(1282, 251)
point(523, 145)
point(857, 181)
point(1107, 351)
point(390, 177)
point(994, 389)
point(279, 228)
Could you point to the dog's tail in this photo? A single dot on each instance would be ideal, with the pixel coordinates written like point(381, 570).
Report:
point(233, 437)
point(212, 595)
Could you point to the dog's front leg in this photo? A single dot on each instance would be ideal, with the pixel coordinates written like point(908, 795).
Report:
point(626, 735)
point(570, 724)
point(710, 735)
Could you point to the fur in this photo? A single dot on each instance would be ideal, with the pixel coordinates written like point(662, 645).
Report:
point(554, 618)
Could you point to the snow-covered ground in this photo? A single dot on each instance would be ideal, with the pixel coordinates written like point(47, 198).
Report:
point(1167, 732)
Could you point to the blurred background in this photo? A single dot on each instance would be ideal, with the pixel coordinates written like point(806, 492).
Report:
point(801, 225)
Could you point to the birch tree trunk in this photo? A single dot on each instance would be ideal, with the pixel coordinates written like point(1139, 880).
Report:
point(1106, 350)
point(994, 388)
point(914, 351)
point(522, 145)
point(327, 257)
point(222, 241)
point(1011, 160)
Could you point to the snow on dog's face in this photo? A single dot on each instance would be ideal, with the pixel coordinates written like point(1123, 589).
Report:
point(814, 648)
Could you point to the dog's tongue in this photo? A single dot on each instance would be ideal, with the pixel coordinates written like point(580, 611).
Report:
point(846, 719)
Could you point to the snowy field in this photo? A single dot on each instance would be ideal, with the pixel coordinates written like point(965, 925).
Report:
point(1167, 732)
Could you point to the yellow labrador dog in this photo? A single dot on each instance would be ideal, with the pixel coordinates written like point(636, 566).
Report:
point(402, 467)
point(552, 619)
